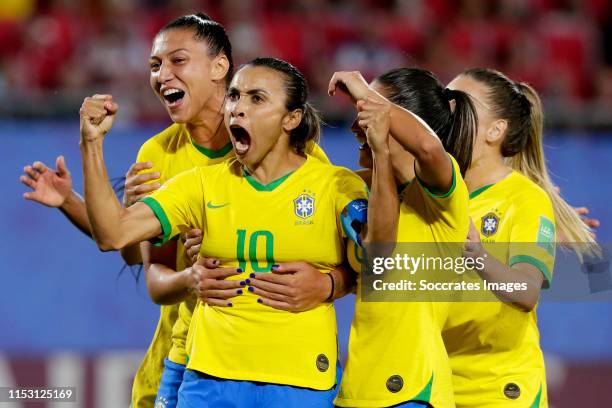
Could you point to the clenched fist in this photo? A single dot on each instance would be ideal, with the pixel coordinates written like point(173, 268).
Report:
point(374, 118)
point(97, 117)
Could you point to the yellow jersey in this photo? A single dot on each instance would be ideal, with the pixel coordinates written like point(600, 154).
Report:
point(253, 226)
point(181, 326)
point(171, 152)
point(493, 347)
point(396, 352)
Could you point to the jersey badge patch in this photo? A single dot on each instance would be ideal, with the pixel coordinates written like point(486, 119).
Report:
point(304, 206)
point(490, 223)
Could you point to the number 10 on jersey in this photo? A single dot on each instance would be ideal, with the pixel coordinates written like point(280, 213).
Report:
point(261, 237)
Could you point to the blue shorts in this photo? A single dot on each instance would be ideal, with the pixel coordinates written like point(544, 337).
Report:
point(172, 377)
point(204, 391)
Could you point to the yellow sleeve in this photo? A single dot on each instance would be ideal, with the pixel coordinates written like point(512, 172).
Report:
point(152, 151)
point(351, 204)
point(178, 204)
point(313, 149)
point(532, 237)
point(451, 206)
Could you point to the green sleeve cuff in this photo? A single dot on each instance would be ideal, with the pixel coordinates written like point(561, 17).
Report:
point(535, 262)
point(437, 194)
point(163, 220)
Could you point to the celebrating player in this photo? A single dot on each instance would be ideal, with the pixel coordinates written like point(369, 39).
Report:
point(272, 204)
point(494, 346)
point(189, 58)
point(396, 353)
point(190, 62)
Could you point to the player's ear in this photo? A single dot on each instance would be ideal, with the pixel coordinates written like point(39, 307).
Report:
point(292, 120)
point(496, 131)
point(219, 68)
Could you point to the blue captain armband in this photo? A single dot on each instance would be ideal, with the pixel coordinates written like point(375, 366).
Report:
point(354, 217)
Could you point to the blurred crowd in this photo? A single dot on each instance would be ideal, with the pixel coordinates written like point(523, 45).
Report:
point(55, 52)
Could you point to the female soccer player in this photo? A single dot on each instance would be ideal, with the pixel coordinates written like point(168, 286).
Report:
point(273, 203)
point(494, 346)
point(191, 61)
point(396, 353)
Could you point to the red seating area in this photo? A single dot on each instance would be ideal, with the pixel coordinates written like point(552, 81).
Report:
point(62, 49)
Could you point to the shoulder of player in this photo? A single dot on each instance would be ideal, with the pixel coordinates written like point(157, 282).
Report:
point(526, 190)
point(333, 172)
point(227, 168)
point(164, 140)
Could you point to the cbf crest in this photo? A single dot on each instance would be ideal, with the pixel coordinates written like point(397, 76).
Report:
point(304, 206)
point(490, 223)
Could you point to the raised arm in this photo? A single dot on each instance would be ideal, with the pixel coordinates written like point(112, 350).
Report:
point(432, 166)
point(383, 204)
point(113, 227)
point(136, 187)
point(53, 188)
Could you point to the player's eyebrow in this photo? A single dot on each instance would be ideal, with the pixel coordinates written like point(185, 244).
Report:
point(255, 91)
point(170, 53)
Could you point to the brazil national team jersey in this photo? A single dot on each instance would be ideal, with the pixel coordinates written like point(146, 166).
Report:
point(493, 347)
point(396, 353)
point(171, 152)
point(253, 226)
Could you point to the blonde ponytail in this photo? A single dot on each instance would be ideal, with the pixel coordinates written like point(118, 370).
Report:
point(530, 162)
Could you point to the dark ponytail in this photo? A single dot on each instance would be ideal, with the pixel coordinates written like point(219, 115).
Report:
point(296, 89)
point(308, 129)
point(459, 139)
point(420, 92)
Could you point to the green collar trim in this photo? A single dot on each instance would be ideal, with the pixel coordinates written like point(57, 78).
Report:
point(265, 187)
point(480, 190)
point(213, 154)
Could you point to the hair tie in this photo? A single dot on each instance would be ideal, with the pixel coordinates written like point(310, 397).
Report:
point(448, 94)
point(524, 101)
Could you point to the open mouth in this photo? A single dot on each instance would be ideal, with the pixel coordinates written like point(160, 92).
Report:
point(173, 96)
point(241, 139)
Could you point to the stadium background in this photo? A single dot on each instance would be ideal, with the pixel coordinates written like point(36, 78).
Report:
point(67, 317)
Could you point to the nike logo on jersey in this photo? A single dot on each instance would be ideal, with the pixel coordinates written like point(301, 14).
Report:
point(213, 206)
